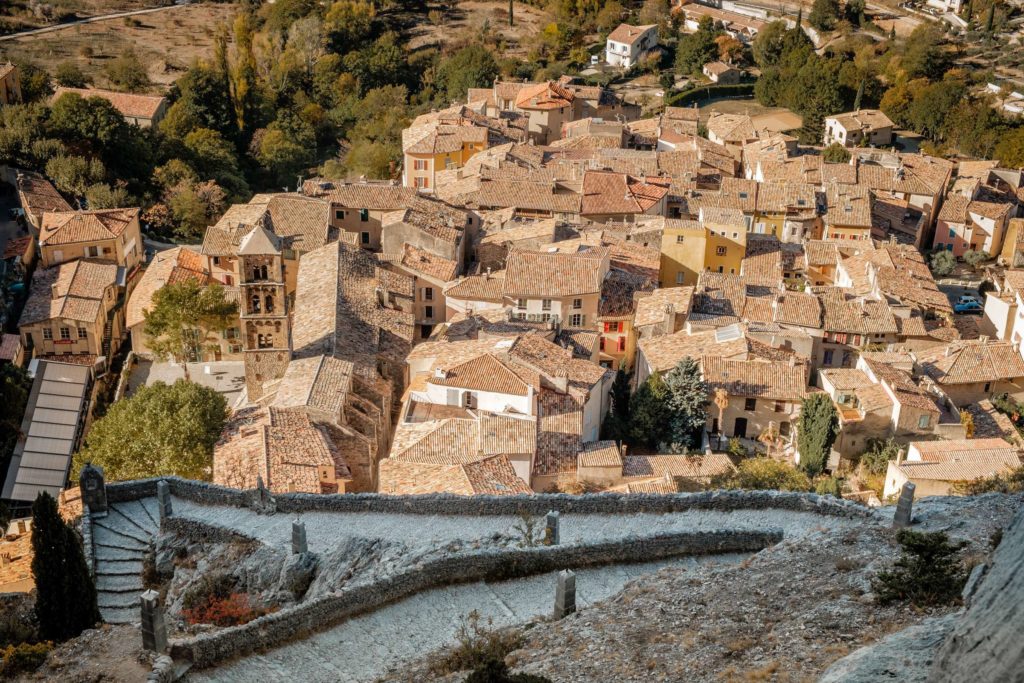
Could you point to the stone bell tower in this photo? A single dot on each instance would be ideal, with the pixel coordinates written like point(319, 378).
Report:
point(262, 310)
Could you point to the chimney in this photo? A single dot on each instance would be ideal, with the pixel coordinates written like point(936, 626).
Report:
point(792, 360)
point(439, 373)
point(901, 454)
point(54, 292)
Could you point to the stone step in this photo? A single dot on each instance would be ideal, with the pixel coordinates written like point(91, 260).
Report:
point(120, 543)
point(117, 583)
point(103, 552)
point(135, 515)
point(125, 599)
point(152, 509)
point(120, 615)
point(119, 567)
point(115, 526)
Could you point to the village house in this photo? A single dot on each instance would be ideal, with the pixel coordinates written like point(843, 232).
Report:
point(850, 324)
point(739, 26)
point(936, 467)
point(1002, 319)
point(969, 371)
point(964, 224)
point(37, 196)
point(732, 130)
point(861, 128)
point(10, 84)
point(175, 266)
point(429, 274)
point(556, 287)
point(431, 226)
point(75, 312)
point(145, 111)
point(628, 45)
point(108, 234)
point(722, 73)
point(848, 213)
point(609, 196)
point(358, 208)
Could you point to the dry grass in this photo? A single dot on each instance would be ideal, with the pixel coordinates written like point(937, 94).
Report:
point(466, 21)
point(167, 42)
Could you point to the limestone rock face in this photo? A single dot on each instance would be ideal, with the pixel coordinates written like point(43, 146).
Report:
point(298, 572)
point(903, 656)
point(985, 644)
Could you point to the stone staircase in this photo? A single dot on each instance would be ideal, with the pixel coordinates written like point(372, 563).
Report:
point(120, 541)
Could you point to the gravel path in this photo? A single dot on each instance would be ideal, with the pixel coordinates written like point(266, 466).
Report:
point(365, 648)
point(325, 530)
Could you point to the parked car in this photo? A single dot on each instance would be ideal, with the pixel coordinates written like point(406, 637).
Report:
point(968, 308)
point(968, 298)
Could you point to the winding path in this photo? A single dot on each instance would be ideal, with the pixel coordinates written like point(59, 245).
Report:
point(87, 20)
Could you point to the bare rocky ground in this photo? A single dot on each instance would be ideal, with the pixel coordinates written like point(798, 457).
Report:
point(109, 654)
point(785, 614)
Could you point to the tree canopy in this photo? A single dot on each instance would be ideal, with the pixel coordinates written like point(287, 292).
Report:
point(687, 399)
point(182, 314)
point(819, 426)
point(163, 429)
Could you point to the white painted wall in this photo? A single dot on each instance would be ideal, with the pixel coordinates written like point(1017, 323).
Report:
point(485, 400)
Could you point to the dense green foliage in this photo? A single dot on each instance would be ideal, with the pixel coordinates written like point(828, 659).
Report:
point(835, 154)
point(161, 430)
point(757, 474)
point(65, 594)
point(1004, 482)
point(687, 399)
point(694, 50)
point(14, 387)
point(648, 410)
point(928, 573)
point(180, 316)
point(942, 263)
point(819, 426)
point(875, 460)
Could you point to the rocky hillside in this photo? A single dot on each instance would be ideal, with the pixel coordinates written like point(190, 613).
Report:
point(786, 614)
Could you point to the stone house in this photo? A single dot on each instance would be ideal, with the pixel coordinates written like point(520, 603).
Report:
point(108, 234)
point(850, 324)
point(145, 111)
point(75, 311)
point(761, 394)
point(37, 195)
point(970, 371)
point(556, 287)
point(175, 266)
point(935, 467)
point(429, 274)
point(431, 226)
point(722, 73)
point(861, 128)
point(358, 208)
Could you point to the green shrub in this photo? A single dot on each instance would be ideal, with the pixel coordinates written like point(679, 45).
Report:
point(876, 459)
point(829, 486)
point(928, 573)
point(496, 671)
point(764, 474)
point(1009, 482)
point(23, 658)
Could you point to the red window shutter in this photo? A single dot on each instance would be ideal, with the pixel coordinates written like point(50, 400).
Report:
point(622, 343)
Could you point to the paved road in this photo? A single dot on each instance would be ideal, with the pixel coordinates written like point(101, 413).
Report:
point(88, 20)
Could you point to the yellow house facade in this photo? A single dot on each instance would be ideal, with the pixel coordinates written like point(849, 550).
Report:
point(683, 247)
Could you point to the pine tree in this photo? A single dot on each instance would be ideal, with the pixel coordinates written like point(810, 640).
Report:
point(687, 404)
point(65, 593)
point(819, 425)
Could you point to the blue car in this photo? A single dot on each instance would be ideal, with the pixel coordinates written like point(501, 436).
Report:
point(969, 307)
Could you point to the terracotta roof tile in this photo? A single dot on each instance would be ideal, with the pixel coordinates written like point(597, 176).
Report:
point(130, 105)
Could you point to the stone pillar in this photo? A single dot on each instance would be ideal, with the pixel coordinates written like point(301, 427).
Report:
point(94, 490)
point(551, 531)
point(163, 500)
point(565, 594)
point(299, 538)
point(154, 630)
point(904, 506)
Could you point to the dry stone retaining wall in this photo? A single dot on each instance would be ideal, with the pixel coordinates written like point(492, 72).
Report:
point(538, 504)
point(295, 622)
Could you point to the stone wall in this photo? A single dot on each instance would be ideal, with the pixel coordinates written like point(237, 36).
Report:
point(538, 504)
point(296, 622)
point(203, 533)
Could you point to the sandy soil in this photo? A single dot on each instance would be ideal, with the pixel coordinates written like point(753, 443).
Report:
point(165, 41)
point(466, 20)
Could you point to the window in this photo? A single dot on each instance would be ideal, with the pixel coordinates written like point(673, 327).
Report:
point(339, 215)
point(750, 404)
point(83, 333)
point(780, 406)
point(428, 312)
point(428, 293)
point(680, 239)
point(419, 164)
point(679, 278)
point(269, 300)
point(420, 182)
point(545, 304)
point(364, 215)
point(622, 344)
point(216, 260)
point(65, 333)
point(601, 342)
point(922, 422)
point(988, 387)
point(521, 304)
point(952, 232)
point(784, 429)
point(228, 280)
point(577, 303)
point(92, 252)
point(720, 251)
point(577, 320)
point(254, 306)
point(827, 360)
point(47, 333)
point(610, 327)
point(364, 237)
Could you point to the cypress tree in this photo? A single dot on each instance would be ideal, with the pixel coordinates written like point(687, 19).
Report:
point(860, 95)
point(511, 19)
point(616, 424)
point(687, 403)
point(990, 19)
point(65, 594)
point(819, 425)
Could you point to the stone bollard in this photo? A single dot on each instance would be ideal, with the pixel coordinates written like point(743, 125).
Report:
point(565, 594)
point(94, 490)
point(154, 630)
point(163, 500)
point(904, 507)
point(551, 531)
point(298, 538)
